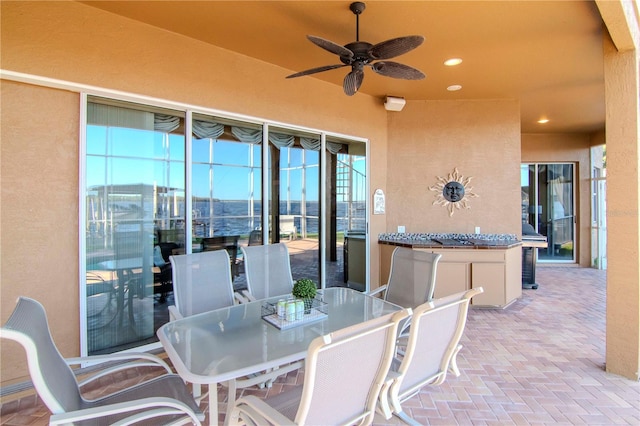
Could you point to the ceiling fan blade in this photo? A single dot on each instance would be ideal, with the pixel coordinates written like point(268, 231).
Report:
point(396, 70)
point(331, 46)
point(315, 70)
point(353, 81)
point(395, 47)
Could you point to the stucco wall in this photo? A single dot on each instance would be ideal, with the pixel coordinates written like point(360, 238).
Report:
point(428, 139)
point(568, 148)
point(39, 226)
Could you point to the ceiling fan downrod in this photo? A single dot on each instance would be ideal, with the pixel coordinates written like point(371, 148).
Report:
point(357, 8)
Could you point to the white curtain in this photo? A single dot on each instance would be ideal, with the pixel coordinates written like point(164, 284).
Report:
point(310, 143)
point(281, 140)
point(165, 123)
point(207, 129)
point(334, 147)
point(247, 135)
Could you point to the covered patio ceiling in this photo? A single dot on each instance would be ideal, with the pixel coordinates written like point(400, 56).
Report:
point(546, 54)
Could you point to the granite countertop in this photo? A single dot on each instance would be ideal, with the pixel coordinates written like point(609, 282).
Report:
point(450, 241)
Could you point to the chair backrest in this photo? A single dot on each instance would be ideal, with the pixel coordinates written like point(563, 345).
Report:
point(52, 377)
point(435, 332)
point(201, 281)
point(412, 278)
point(268, 270)
point(255, 237)
point(345, 371)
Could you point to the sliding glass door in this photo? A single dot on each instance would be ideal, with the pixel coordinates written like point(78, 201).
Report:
point(135, 187)
point(294, 194)
point(159, 182)
point(548, 205)
point(346, 240)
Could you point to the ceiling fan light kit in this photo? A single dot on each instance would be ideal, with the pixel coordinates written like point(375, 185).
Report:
point(393, 103)
point(359, 54)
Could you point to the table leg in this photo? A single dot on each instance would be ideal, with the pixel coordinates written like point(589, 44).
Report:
point(213, 404)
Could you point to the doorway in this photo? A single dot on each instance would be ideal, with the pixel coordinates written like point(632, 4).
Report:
point(548, 205)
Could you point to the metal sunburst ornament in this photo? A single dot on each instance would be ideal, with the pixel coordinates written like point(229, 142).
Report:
point(453, 191)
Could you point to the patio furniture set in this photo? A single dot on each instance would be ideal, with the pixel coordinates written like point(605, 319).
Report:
point(368, 355)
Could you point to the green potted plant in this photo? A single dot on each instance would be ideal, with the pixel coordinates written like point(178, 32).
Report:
point(306, 290)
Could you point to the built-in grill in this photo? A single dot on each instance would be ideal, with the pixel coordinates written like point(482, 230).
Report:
point(531, 242)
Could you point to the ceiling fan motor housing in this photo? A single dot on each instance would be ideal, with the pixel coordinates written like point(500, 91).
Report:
point(360, 51)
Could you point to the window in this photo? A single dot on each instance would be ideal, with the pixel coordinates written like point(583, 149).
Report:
point(161, 181)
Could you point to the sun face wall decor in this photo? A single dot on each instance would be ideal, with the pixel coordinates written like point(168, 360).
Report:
point(453, 191)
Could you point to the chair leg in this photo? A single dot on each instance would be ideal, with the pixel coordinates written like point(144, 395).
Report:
point(231, 398)
point(405, 418)
point(196, 391)
point(453, 365)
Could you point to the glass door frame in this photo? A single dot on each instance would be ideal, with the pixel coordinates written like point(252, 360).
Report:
point(537, 212)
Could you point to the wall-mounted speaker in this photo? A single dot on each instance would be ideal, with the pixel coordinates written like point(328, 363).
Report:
point(393, 103)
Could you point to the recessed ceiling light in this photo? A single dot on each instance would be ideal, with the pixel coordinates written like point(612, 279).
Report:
point(454, 88)
point(543, 120)
point(453, 61)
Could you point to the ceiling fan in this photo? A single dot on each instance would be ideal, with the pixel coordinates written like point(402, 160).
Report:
point(359, 54)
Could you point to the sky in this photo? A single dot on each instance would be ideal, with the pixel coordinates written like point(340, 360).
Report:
point(220, 169)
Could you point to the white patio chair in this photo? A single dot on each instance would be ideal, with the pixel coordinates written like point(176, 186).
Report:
point(201, 282)
point(164, 399)
point(344, 374)
point(412, 278)
point(432, 344)
point(268, 271)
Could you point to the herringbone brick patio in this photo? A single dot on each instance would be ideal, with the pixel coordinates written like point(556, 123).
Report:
point(538, 362)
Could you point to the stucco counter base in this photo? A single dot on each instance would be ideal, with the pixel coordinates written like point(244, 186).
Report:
point(496, 268)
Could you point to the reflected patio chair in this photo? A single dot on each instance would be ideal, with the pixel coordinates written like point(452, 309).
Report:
point(412, 278)
point(268, 271)
point(429, 349)
point(288, 227)
point(101, 298)
point(228, 243)
point(255, 237)
point(344, 374)
point(162, 275)
point(161, 400)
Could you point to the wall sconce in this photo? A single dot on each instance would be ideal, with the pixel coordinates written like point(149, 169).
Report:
point(393, 103)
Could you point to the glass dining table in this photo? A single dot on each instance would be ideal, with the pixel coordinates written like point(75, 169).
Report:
point(233, 342)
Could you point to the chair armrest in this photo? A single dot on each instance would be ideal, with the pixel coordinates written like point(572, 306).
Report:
point(138, 359)
point(159, 406)
point(174, 313)
point(258, 411)
point(245, 297)
point(378, 290)
point(384, 407)
point(239, 297)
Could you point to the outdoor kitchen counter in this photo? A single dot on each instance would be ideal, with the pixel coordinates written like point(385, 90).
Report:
point(490, 261)
point(451, 241)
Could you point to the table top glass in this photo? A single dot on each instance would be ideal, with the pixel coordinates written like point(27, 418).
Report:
point(235, 341)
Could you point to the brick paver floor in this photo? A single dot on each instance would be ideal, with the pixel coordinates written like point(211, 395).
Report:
point(541, 361)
